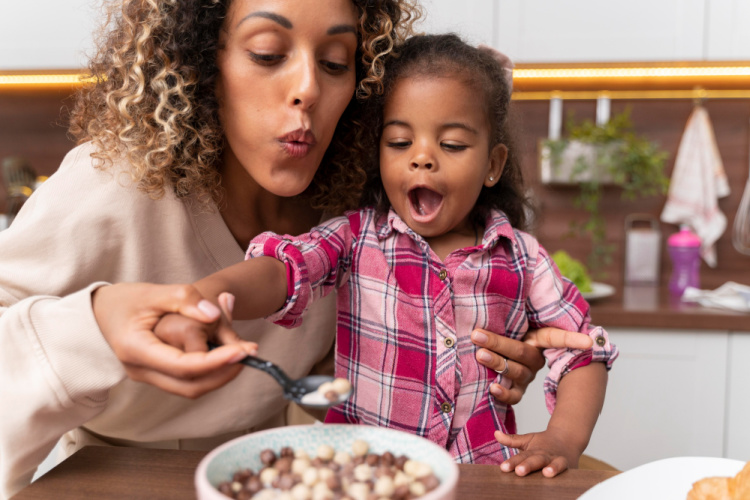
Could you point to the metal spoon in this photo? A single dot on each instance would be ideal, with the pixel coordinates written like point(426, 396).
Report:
point(302, 391)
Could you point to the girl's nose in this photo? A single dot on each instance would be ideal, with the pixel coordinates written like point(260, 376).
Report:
point(423, 159)
point(305, 87)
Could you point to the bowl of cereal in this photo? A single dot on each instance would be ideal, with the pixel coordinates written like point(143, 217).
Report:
point(320, 462)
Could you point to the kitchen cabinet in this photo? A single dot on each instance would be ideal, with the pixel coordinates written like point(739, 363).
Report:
point(474, 21)
point(49, 34)
point(672, 392)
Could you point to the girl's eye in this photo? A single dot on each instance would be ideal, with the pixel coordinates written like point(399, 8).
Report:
point(398, 144)
point(266, 59)
point(335, 68)
point(453, 147)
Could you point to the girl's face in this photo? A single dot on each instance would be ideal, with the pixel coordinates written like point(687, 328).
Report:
point(286, 74)
point(435, 155)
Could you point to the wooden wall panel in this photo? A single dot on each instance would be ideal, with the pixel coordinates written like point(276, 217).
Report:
point(32, 124)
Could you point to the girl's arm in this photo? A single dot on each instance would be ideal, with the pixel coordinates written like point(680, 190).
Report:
point(259, 286)
point(580, 398)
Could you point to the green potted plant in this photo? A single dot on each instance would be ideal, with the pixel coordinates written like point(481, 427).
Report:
point(593, 156)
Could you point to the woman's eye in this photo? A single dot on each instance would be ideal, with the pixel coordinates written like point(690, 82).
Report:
point(398, 144)
point(335, 68)
point(453, 147)
point(266, 59)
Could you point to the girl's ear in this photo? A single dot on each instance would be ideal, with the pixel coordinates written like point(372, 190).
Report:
point(498, 157)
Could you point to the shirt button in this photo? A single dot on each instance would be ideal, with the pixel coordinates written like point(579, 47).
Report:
point(600, 341)
point(443, 274)
point(448, 342)
point(446, 407)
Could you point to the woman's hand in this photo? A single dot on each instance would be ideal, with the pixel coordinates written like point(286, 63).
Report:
point(127, 313)
point(523, 359)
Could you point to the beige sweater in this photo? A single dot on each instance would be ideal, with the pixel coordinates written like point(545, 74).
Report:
point(84, 227)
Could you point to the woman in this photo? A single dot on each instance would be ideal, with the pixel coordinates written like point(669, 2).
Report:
point(207, 120)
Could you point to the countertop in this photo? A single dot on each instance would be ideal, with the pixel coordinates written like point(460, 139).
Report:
point(654, 307)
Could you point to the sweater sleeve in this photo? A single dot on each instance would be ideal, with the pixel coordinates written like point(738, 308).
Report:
point(48, 382)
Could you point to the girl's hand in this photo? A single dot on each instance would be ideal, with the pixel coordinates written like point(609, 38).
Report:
point(522, 358)
point(538, 450)
point(127, 313)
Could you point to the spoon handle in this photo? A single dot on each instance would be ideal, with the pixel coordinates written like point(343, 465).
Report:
point(263, 365)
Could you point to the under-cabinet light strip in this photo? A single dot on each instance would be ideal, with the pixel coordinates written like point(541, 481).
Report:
point(642, 72)
point(631, 94)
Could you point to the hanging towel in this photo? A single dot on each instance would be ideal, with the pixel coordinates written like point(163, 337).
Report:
point(730, 295)
point(698, 181)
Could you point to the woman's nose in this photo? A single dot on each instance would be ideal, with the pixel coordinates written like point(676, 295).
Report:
point(305, 87)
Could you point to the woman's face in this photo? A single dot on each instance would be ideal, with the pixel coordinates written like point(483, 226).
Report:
point(286, 74)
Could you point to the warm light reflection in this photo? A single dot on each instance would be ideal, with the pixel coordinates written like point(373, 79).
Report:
point(49, 79)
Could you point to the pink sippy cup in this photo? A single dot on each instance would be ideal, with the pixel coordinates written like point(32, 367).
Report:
point(684, 249)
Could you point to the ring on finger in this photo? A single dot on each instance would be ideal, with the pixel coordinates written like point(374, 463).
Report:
point(505, 369)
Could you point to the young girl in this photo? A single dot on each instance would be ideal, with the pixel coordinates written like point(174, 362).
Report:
point(436, 255)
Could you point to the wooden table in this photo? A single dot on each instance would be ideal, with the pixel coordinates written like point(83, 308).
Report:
point(137, 473)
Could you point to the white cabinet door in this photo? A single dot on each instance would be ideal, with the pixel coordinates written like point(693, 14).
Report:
point(473, 20)
point(738, 399)
point(36, 34)
point(594, 30)
point(665, 398)
point(728, 29)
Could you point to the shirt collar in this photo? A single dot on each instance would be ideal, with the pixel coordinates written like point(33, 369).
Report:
point(497, 226)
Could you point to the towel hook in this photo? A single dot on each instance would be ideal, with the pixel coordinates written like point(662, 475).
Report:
point(699, 96)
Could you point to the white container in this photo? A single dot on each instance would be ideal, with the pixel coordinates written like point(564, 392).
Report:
point(642, 249)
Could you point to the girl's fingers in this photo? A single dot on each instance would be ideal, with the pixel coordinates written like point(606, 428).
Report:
point(532, 462)
point(558, 465)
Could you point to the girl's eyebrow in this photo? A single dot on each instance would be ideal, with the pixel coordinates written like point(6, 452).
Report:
point(286, 23)
point(444, 126)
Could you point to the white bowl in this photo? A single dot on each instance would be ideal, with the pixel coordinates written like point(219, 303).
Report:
point(244, 452)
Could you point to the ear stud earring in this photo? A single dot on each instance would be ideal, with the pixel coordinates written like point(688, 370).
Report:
point(491, 178)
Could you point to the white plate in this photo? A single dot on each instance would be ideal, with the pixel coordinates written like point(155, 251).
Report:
point(671, 478)
point(599, 291)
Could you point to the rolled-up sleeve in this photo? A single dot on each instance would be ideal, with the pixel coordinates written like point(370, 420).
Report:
point(316, 262)
point(554, 301)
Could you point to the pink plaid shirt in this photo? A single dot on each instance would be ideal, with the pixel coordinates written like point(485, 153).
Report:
point(405, 319)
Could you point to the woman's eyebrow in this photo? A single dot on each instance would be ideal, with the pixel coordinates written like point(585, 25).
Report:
point(277, 18)
point(286, 23)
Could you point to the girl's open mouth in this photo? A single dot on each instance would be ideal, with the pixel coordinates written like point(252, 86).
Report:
point(424, 202)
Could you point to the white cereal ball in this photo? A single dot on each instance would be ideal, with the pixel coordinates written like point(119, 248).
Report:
point(321, 492)
point(342, 458)
point(360, 448)
point(417, 489)
point(341, 385)
point(325, 387)
point(401, 478)
point(300, 453)
point(265, 495)
point(236, 486)
point(417, 469)
point(363, 472)
point(267, 475)
point(325, 473)
point(300, 492)
point(310, 476)
point(284, 495)
point(300, 465)
point(384, 486)
point(359, 491)
point(325, 452)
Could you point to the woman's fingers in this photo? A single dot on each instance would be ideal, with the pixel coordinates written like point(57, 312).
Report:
point(190, 387)
point(548, 337)
point(515, 350)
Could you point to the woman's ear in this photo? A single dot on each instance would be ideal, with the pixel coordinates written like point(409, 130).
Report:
point(498, 157)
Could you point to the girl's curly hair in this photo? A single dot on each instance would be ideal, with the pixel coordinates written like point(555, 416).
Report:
point(152, 101)
point(448, 56)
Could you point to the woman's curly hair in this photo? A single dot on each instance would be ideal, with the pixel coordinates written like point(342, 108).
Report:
point(152, 100)
point(447, 55)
